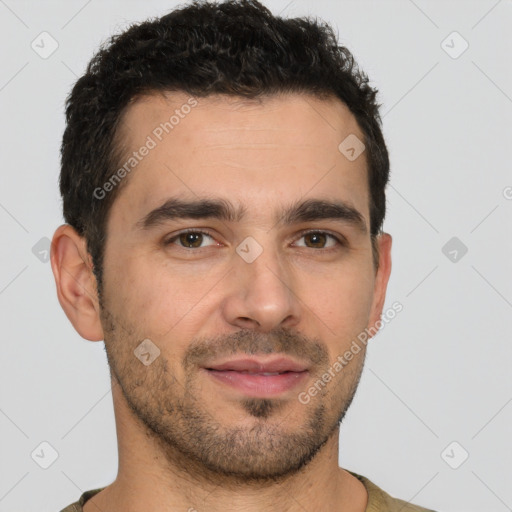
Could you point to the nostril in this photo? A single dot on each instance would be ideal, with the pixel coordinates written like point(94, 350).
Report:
point(249, 321)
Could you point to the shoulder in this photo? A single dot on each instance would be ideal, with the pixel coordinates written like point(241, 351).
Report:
point(78, 506)
point(381, 501)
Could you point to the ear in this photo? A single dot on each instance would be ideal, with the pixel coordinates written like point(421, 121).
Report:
point(76, 283)
point(384, 242)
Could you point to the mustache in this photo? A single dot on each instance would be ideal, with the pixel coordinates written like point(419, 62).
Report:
point(279, 341)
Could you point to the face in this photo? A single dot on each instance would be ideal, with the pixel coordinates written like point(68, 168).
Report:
point(239, 250)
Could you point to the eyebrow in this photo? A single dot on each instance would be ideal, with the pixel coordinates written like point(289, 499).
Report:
point(221, 209)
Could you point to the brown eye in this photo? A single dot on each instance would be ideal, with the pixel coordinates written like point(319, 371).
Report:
point(316, 239)
point(320, 240)
point(190, 239)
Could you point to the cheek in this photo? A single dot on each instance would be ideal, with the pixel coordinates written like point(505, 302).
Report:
point(348, 291)
point(160, 301)
point(342, 305)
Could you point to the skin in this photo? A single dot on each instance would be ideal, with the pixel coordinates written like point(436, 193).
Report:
point(186, 441)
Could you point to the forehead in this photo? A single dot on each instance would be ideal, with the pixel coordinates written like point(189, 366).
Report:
point(259, 150)
point(300, 115)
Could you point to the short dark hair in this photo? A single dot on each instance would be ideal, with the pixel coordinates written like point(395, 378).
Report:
point(235, 48)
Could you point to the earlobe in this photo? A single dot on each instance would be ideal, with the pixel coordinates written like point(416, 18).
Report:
point(76, 283)
point(384, 243)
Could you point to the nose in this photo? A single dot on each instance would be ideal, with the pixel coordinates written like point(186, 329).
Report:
point(261, 294)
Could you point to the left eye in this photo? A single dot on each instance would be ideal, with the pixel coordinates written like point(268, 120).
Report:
point(319, 237)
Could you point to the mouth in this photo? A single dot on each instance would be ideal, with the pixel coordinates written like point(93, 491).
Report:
point(258, 377)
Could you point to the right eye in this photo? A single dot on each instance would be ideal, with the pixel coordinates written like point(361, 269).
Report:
point(190, 239)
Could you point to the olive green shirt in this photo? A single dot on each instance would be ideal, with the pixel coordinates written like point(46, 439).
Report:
point(378, 500)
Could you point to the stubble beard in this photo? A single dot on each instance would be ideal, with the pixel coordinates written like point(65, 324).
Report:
point(175, 415)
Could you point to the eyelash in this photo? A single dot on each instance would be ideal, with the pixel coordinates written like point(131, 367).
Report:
point(340, 240)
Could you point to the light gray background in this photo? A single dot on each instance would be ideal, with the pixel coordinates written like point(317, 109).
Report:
point(438, 373)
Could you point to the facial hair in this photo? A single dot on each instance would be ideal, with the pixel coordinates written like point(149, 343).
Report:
point(275, 444)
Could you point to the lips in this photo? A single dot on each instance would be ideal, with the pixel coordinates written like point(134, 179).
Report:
point(258, 377)
point(250, 365)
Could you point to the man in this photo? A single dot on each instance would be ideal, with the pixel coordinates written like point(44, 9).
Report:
point(223, 176)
